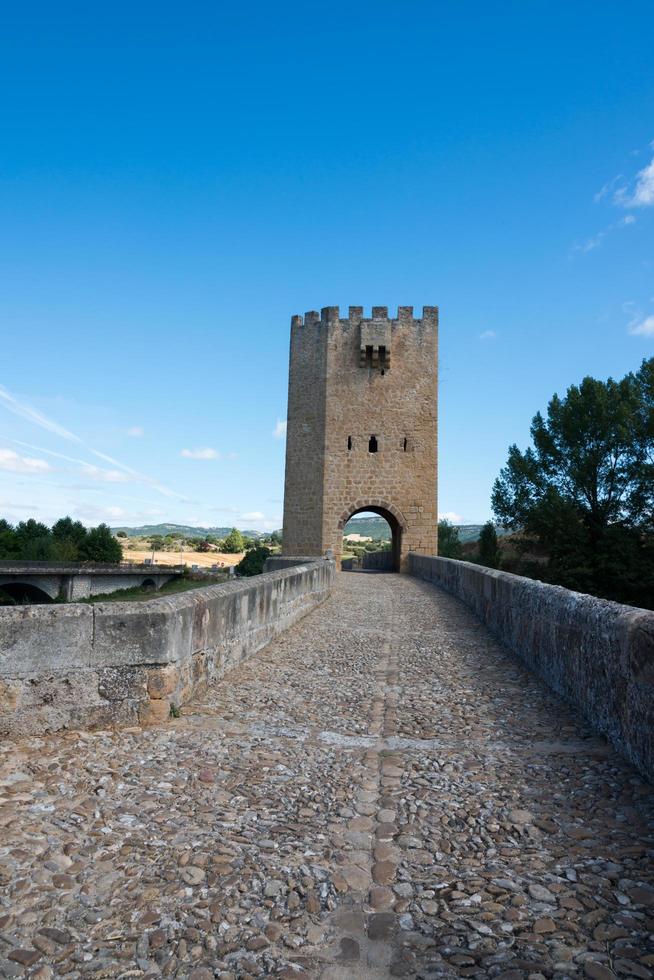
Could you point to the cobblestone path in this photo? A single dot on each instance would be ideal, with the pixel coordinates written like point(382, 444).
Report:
point(382, 792)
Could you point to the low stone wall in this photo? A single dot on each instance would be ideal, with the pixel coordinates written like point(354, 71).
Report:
point(381, 561)
point(125, 663)
point(598, 655)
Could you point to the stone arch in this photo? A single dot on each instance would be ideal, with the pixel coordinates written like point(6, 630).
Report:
point(26, 593)
point(149, 585)
point(391, 514)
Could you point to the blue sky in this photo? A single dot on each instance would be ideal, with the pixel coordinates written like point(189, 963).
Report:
point(177, 180)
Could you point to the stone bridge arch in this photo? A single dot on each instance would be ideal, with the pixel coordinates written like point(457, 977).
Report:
point(391, 514)
point(29, 592)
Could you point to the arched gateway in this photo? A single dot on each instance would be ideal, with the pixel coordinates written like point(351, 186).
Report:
point(362, 428)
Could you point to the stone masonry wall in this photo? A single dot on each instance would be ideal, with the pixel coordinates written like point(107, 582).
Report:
point(126, 663)
point(599, 655)
point(351, 379)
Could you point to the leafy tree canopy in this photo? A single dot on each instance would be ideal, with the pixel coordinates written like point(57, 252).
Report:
point(253, 561)
point(584, 490)
point(489, 551)
point(449, 545)
point(101, 545)
point(233, 543)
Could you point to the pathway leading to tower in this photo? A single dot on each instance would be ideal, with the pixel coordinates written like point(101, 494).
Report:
point(383, 791)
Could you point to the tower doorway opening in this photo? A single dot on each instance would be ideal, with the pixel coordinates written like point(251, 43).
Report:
point(372, 540)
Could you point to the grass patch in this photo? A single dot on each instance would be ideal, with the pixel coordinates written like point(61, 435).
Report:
point(138, 593)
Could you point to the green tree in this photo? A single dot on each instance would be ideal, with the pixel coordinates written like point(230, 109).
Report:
point(68, 536)
point(253, 561)
point(489, 551)
point(101, 545)
point(8, 542)
point(583, 492)
point(276, 538)
point(121, 534)
point(449, 545)
point(233, 543)
point(156, 542)
point(34, 541)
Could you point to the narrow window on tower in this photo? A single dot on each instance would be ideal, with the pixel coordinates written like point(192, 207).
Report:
point(372, 444)
point(369, 356)
point(405, 444)
point(349, 443)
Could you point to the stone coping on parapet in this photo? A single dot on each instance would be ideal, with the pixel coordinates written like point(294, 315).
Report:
point(122, 663)
point(331, 315)
point(80, 568)
point(597, 654)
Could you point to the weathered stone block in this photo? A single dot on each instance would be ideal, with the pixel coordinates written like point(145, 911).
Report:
point(120, 683)
point(34, 639)
point(154, 712)
point(162, 681)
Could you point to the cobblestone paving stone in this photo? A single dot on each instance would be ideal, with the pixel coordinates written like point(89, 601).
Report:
point(382, 792)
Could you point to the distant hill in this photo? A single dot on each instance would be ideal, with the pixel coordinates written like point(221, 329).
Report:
point(471, 532)
point(368, 527)
point(376, 527)
point(148, 530)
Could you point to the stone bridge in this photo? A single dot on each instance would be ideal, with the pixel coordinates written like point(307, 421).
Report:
point(383, 791)
point(47, 581)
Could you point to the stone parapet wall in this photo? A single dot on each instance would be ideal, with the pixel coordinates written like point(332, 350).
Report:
point(598, 655)
point(126, 663)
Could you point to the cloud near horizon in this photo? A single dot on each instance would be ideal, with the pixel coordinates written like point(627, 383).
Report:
point(451, 516)
point(14, 463)
point(207, 453)
point(280, 429)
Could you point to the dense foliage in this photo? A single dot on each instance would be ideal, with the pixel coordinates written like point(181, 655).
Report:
point(67, 540)
point(233, 543)
point(253, 561)
point(585, 491)
point(489, 550)
point(449, 545)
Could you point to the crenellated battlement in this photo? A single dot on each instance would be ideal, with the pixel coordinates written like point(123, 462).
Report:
point(331, 315)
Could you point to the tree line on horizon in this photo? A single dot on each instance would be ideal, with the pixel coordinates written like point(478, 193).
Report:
point(580, 501)
point(66, 540)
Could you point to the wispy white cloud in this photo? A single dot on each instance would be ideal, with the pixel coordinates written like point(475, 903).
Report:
point(642, 327)
point(607, 188)
point(253, 515)
point(451, 516)
point(25, 411)
point(593, 242)
point(641, 194)
point(14, 463)
point(280, 429)
point(91, 512)
point(31, 415)
point(135, 431)
point(207, 453)
point(104, 476)
point(488, 335)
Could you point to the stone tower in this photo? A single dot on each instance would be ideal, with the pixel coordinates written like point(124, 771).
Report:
point(362, 428)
